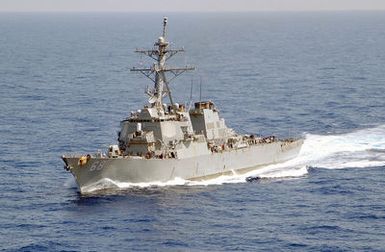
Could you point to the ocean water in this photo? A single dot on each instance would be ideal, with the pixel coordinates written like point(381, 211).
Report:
point(65, 86)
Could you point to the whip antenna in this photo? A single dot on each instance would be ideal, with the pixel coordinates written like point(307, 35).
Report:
point(191, 92)
point(200, 88)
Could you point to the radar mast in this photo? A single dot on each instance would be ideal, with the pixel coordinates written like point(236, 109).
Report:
point(157, 72)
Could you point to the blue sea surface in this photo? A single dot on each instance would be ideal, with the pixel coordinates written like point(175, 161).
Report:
point(65, 85)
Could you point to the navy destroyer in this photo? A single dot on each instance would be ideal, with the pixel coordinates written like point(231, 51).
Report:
point(165, 141)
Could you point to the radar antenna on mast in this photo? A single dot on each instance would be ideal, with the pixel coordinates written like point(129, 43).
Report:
point(157, 73)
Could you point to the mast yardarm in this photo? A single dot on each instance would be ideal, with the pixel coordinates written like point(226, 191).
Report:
point(157, 72)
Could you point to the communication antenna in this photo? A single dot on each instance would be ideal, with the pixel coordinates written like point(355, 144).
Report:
point(191, 92)
point(200, 88)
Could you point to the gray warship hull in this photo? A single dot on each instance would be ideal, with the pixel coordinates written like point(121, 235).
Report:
point(202, 167)
point(164, 141)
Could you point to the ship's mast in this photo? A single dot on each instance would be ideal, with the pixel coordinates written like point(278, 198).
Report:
point(157, 73)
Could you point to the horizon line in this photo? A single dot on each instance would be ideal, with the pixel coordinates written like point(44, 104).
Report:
point(187, 11)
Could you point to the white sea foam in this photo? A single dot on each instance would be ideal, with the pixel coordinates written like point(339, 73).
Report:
point(346, 150)
point(360, 149)
point(70, 183)
point(111, 184)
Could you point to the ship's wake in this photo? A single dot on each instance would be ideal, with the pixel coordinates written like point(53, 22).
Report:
point(358, 149)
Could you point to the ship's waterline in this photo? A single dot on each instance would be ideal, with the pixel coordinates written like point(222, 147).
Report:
point(205, 167)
